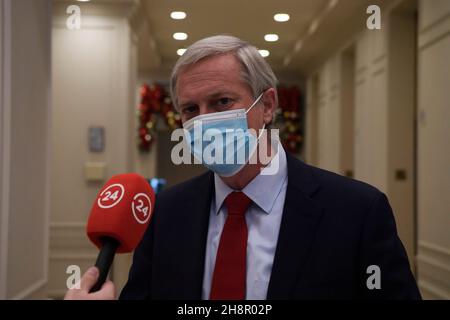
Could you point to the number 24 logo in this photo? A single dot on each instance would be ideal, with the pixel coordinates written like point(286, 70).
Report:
point(141, 207)
point(111, 196)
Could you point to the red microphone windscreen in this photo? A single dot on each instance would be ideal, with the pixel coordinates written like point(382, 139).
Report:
point(122, 210)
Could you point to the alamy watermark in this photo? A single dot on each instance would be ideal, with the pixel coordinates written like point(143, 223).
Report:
point(373, 22)
point(73, 22)
point(217, 147)
point(74, 279)
point(374, 280)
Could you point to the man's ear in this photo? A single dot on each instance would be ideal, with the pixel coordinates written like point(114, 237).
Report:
point(270, 102)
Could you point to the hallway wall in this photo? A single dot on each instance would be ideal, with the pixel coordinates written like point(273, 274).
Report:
point(93, 86)
point(329, 115)
point(433, 150)
point(365, 115)
point(25, 86)
point(370, 113)
point(402, 131)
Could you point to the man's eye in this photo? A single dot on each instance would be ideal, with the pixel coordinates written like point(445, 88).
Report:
point(189, 110)
point(224, 102)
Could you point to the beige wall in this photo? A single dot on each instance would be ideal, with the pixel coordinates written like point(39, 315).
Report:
point(384, 122)
point(395, 69)
point(25, 124)
point(93, 74)
point(329, 113)
point(401, 124)
point(371, 109)
point(366, 114)
point(433, 154)
point(347, 102)
point(330, 124)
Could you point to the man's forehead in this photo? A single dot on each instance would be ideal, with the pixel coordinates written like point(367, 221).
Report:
point(225, 67)
point(209, 84)
point(200, 77)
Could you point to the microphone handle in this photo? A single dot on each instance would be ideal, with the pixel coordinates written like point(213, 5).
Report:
point(104, 261)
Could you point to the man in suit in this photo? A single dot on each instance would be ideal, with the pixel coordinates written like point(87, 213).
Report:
point(242, 232)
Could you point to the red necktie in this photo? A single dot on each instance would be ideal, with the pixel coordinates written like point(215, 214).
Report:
point(230, 270)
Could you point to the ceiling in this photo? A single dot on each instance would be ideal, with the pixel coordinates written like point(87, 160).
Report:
point(246, 19)
point(316, 29)
point(336, 23)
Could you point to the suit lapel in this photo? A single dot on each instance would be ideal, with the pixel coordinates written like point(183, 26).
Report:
point(301, 217)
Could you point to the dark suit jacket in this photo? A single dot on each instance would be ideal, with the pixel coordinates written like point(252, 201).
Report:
point(332, 229)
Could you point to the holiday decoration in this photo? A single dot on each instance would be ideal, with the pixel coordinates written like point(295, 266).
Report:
point(156, 107)
point(289, 118)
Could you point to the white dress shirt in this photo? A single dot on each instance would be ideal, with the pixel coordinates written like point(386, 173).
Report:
point(263, 219)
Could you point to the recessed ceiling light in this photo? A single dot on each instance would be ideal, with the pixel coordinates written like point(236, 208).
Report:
point(180, 36)
point(180, 52)
point(83, 0)
point(178, 15)
point(264, 53)
point(281, 17)
point(271, 37)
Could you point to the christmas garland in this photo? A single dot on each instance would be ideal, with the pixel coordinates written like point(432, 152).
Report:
point(289, 119)
point(155, 104)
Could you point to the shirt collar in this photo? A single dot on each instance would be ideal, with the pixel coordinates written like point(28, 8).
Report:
point(263, 189)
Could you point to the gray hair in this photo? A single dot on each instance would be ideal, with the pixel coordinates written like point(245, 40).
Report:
point(256, 72)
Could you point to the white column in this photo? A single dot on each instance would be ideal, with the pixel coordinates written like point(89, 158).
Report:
point(24, 132)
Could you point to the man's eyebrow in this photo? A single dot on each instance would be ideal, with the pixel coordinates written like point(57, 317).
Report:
point(187, 104)
point(221, 93)
point(214, 95)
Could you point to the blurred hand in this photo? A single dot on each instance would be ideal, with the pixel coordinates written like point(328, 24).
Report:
point(107, 292)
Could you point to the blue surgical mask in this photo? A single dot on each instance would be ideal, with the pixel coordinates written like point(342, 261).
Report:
point(221, 141)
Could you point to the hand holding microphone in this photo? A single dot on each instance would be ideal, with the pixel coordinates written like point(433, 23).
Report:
point(119, 217)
